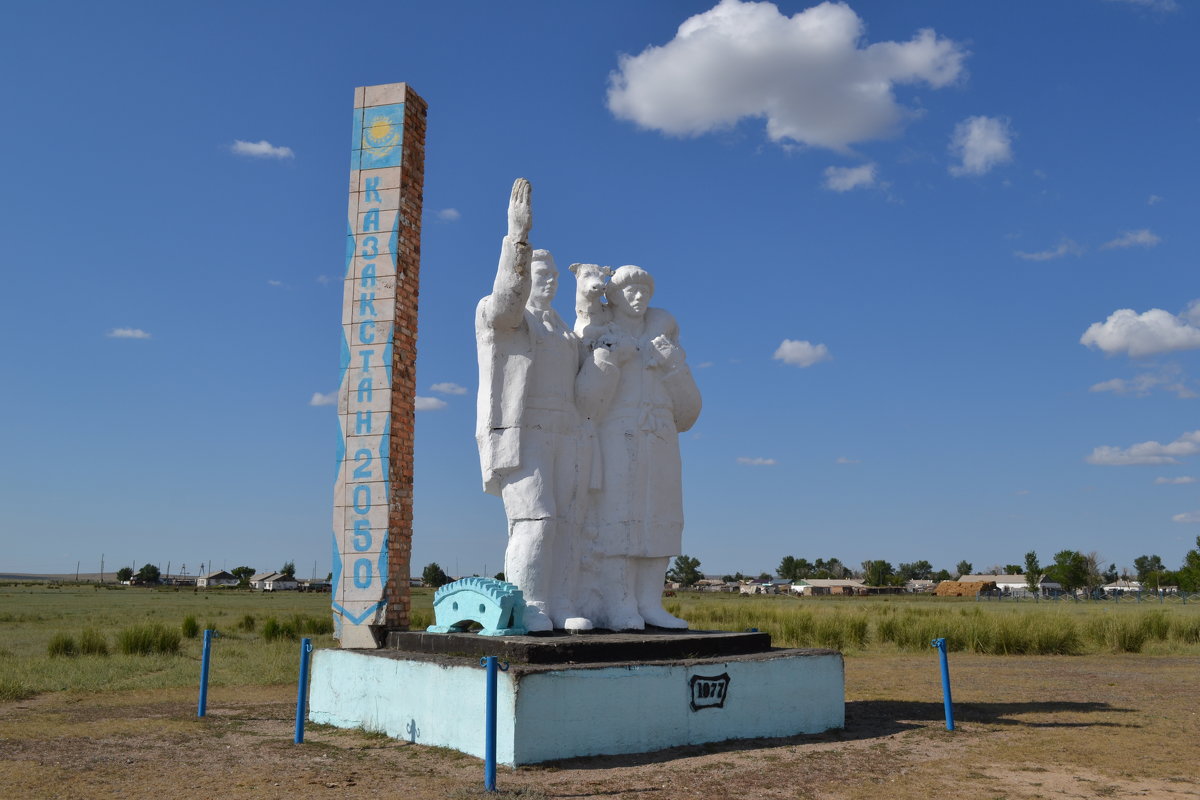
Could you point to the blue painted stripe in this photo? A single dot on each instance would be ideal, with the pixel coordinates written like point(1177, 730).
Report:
point(394, 240)
point(356, 130)
point(357, 619)
point(383, 562)
point(337, 567)
point(387, 353)
point(341, 451)
point(384, 457)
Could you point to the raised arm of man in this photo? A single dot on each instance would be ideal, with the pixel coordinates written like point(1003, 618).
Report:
point(505, 306)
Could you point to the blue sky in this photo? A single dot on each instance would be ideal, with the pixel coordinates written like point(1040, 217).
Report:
point(932, 262)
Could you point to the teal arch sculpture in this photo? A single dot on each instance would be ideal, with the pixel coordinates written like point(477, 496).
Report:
point(496, 605)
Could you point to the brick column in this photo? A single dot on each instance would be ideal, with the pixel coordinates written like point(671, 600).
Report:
point(372, 522)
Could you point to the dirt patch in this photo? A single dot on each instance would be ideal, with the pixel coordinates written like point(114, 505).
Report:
point(1032, 727)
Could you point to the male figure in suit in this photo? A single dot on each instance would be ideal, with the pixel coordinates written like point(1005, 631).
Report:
point(527, 426)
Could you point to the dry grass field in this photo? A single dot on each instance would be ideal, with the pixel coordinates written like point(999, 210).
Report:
point(1098, 724)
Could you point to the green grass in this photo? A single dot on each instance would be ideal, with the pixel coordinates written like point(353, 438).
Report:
point(33, 615)
point(147, 639)
point(92, 643)
point(891, 624)
point(246, 653)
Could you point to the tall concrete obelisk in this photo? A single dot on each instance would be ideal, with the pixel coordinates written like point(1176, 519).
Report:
point(372, 519)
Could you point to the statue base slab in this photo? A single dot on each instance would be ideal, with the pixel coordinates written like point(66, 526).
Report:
point(602, 702)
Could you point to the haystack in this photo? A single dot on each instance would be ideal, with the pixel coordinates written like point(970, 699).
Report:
point(963, 588)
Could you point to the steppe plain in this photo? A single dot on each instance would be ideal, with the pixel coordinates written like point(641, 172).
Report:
point(1099, 723)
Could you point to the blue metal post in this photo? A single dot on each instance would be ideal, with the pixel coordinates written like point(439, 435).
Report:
point(489, 725)
point(302, 689)
point(940, 644)
point(203, 704)
point(494, 667)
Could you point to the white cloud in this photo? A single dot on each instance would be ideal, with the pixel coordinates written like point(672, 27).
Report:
point(1167, 378)
point(449, 215)
point(319, 399)
point(127, 333)
point(980, 143)
point(1153, 331)
point(801, 353)
point(276, 284)
point(1021, 492)
point(1182, 479)
point(1147, 452)
point(756, 462)
point(429, 403)
point(260, 149)
point(1192, 313)
point(1065, 247)
point(448, 388)
point(843, 179)
point(1153, 200)
point(1138, 238)
point(844, 460)
point(808, 75)
point(1153, 5)
point(1191, 516)
point(704, 365)
point(323, 280)
point(1117, 385)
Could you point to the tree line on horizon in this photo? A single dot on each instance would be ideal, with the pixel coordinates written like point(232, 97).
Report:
point(1071, 569)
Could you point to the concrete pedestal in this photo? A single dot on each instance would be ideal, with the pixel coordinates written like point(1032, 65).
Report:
point(549, 711)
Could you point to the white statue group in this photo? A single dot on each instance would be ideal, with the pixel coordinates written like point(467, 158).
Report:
point(578, 432)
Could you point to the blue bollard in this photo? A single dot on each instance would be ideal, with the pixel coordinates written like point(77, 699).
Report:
point(940, 644)
point(489, 742)
point(203, 704)
point(302, 689)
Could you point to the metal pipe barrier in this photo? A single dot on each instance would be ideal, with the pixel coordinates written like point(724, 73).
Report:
point(202, 705)
point(489, 742)
point(940, 644)
point(302, 688)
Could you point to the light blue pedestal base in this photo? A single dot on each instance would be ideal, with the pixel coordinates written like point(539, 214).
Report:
point(562, 711)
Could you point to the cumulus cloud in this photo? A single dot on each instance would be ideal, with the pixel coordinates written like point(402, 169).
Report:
point(260, 149)
point(843, 179)
point(448, 388)
point(449, 215)
point(1145, 334)
point(127, 333)
point(276, 284)
point(1138, 238)
point(1066, 247)
point(809, 75)
point(319, 399)
point(1182, 479)
point(1147, 452)
point(429, 403)
point(801, 353)
point(756, 462)
point(980, 143)
point(1191, 516)
point(1153, 200)
point(844, 460)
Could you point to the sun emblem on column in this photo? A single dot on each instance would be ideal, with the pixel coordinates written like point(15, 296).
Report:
point(381, 135)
